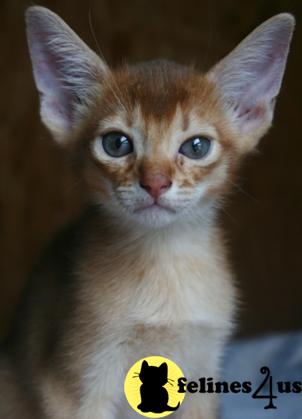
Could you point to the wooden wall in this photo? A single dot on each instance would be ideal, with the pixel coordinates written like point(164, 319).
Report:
point(37, 190)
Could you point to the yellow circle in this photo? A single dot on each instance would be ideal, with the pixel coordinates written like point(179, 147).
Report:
point(142, 380)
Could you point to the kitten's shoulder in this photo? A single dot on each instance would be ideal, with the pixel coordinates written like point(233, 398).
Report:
point(49, 288)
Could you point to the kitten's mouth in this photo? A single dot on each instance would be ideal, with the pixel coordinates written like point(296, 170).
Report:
point(155, 206)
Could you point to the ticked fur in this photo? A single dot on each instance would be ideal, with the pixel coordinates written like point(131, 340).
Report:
point(139, 275)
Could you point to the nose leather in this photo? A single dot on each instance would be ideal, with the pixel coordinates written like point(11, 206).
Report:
point(155, 184)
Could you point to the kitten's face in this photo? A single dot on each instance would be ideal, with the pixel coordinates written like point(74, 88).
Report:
point(162, 140)
point(162, 152)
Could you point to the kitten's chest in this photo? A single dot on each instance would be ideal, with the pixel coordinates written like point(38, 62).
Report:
point(160, 283)
point(173, 300)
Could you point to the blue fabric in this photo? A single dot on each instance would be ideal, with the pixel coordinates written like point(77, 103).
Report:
point(283, 355)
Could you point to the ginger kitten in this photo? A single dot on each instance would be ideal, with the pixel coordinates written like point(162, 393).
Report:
point(144, 271)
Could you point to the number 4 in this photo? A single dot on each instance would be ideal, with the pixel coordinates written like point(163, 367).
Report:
point(270, 396)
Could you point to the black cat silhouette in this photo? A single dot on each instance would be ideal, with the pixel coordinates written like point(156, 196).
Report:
point(154, 397)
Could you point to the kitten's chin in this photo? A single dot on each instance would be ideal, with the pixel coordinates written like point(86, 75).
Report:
point(154, 216)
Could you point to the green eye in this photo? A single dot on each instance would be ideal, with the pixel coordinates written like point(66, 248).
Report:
point(117, 144)
point(195, 148)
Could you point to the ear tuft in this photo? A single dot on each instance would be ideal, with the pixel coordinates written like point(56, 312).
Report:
point(250, 77)
point(65, 69)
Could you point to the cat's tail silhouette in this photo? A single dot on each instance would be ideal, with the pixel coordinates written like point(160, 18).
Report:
point(172, 409)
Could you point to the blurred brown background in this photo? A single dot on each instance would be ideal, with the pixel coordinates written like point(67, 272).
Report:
point(37, 190)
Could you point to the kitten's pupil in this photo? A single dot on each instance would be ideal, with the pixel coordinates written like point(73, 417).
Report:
point(117, 144)
point(120, 141)
point(195, 148)
point(196, 144)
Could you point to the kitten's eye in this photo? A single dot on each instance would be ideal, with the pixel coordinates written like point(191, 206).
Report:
point(117, 144)
point(195, 148)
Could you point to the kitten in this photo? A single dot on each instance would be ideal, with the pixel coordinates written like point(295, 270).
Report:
point(144, 271)
point(154, 396)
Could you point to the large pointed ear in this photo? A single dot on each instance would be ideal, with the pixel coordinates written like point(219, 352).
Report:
point(249, 78)
point(164, 369)
point(66, 71)
point(144, 365)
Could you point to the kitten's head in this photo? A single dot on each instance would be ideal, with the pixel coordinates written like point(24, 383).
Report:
point(157, 142)
point(158, 376)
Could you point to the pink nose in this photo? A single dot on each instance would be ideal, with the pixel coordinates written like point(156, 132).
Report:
point(155, 184)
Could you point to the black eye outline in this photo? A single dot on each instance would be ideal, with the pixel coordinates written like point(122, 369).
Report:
point(110, 144)
point(187, 147)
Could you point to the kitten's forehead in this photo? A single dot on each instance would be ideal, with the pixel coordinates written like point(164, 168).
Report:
point(158, 89)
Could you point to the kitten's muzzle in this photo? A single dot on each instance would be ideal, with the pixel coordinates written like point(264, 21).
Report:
point(155, 184)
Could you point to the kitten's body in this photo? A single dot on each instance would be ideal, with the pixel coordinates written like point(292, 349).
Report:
point(175, 299)
point(144, 272)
